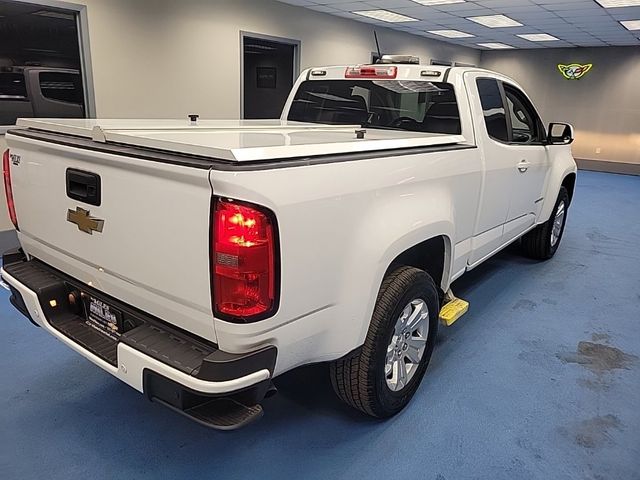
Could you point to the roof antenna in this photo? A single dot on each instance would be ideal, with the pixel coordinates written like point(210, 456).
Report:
point(375, 35)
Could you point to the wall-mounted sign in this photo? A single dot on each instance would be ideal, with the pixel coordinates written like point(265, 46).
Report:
point(574, 71)
point(266, 77)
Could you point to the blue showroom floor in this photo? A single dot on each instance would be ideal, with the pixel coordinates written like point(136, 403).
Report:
point(541, 380)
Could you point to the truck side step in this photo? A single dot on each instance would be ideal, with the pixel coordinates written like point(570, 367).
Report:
point(453, 309)
point(219, 413)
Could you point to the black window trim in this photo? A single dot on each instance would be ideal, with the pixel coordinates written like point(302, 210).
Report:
point(502, 98)
point(505, 105)
point(521, 96)
point(507, 117)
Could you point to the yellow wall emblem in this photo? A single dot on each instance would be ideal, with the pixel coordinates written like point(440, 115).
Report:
point(574, 71)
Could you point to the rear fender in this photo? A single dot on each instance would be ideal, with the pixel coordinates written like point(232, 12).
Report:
point(390, 229)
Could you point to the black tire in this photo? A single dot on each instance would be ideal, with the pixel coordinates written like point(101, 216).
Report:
point(359, 378)
point(537, 243)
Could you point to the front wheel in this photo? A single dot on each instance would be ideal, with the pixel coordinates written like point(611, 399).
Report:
point(381, 377)
point(542, 242)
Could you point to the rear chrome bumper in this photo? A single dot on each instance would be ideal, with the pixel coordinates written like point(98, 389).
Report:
point(168, 365)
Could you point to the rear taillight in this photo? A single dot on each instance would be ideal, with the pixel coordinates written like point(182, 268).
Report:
point(244, 259)
point(371, 71)
point(8, 189)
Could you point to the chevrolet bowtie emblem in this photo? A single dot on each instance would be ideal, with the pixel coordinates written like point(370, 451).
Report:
point(85, 222)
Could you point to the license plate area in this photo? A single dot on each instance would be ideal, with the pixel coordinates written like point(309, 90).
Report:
point(103, 317)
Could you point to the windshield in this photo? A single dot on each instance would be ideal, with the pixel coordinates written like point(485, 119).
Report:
point(418, 106)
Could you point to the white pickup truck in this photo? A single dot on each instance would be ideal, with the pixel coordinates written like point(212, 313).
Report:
point(196, 260)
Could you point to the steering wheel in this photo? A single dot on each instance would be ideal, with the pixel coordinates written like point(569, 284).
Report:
point(398, 122)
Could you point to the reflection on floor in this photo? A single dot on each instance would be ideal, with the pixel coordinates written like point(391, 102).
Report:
point(540, 380)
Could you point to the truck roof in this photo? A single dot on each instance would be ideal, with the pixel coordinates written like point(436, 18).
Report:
point(239, 140)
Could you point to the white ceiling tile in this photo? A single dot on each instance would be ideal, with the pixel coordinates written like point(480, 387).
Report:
point(495, 21)
point(631, 25)
point(538, 37)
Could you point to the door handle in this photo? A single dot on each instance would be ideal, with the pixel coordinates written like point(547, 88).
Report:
point(523, 166)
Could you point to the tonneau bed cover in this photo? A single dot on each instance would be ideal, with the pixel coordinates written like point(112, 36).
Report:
point(240, 140)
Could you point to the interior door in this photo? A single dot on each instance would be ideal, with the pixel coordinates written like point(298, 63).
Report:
point(269, 72)
point(530, 162)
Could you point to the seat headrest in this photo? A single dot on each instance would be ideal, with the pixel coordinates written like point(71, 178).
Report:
point(442, 117)
point(444, 109)
point(356, 112)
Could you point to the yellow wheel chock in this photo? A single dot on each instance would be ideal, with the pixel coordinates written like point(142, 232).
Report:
point(453, 309)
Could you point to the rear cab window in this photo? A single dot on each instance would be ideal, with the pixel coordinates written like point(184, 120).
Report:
point(412, 105)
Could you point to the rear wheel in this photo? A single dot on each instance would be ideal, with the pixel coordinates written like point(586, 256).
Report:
point(381, 377)
point(542, 242)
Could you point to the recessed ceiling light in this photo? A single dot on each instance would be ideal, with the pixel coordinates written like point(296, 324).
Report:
point(437, 2)
point(631, 24)
point(495, 21)
point(451, 33)
point(385, 16)
point(619, 3)
point(538, 37)
point(495, 46)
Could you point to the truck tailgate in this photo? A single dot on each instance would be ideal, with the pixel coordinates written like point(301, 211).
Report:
point(153, 250)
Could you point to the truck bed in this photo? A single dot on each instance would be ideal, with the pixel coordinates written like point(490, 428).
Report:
point(240, 140)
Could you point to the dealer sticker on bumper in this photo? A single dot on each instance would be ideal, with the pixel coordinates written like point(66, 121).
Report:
point(103, 317)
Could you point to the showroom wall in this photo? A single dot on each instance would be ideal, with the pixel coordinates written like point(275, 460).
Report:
point(162, 58)
point(603, 106)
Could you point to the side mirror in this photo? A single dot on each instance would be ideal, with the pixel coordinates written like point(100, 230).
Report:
point(560, 134)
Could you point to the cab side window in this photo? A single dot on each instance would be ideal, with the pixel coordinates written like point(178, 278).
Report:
point(493, 108)
point(526, 127)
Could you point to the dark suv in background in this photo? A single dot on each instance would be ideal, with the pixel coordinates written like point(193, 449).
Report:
point(33, 91)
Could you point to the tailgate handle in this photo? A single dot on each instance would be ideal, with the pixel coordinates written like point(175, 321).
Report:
point(83, 186)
